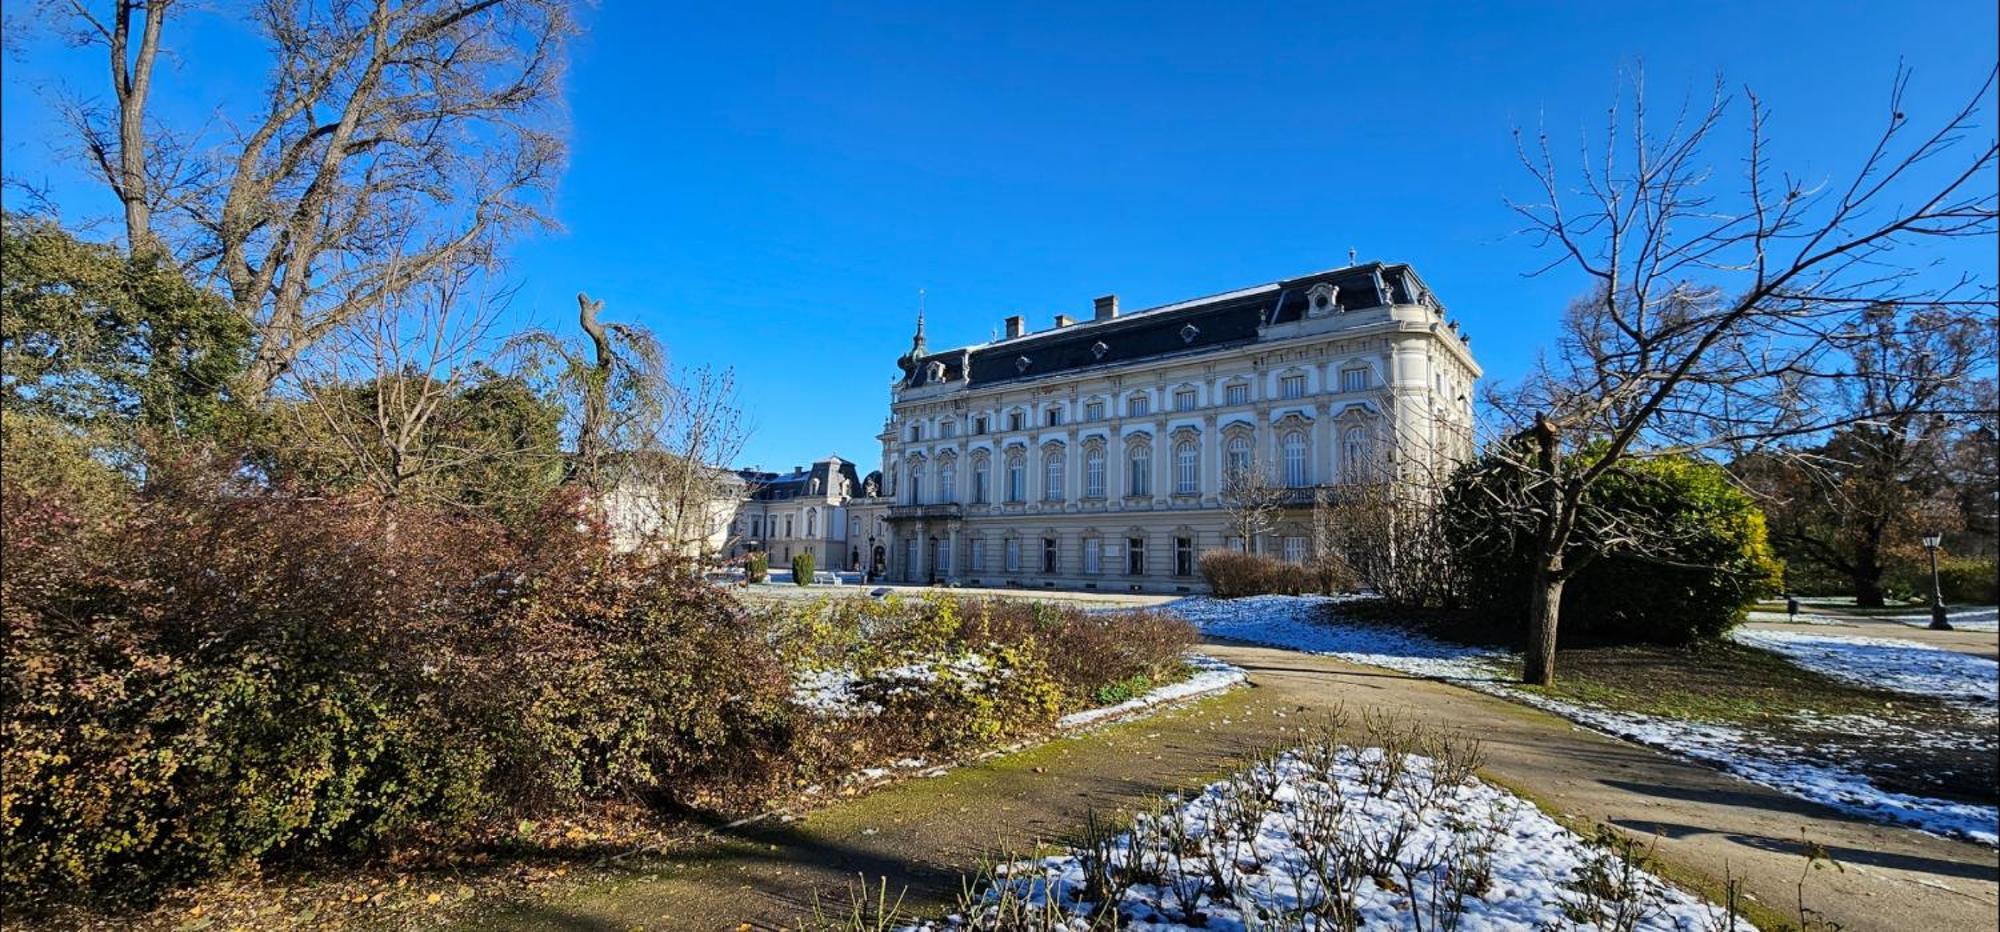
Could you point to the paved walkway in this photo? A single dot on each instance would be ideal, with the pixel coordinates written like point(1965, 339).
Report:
point(923, 835)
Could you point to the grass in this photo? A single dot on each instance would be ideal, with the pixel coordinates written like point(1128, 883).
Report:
point(1721, 683)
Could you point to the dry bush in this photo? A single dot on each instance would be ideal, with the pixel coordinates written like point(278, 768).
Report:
point(1232, 575)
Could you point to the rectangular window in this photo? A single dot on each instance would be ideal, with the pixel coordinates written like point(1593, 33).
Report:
point(1093, 474)
point(1093, 411)
point(1295, 549)
point(979, 425)
point(1234, 543)
point(1013, 553)
point(979, 484)
point(1052, 417)
point(1052, 479)
point(943, 565)
point(948, 429)
point(916, 432)
point(1093, 556)
point(1142, 474)
point(1048, 556)
point(1183, 556)
point(1138, 406)
point(1016, 420)
point(1017, 481)
point(1354, 380)
point(1292, 386)
point(1135, 556)
point(1184, 400)
point(978, 555)
point(1237, 394)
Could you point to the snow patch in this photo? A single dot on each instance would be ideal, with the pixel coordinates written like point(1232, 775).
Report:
point(1885, 663)
point(1211, 675)
point(1438, 853)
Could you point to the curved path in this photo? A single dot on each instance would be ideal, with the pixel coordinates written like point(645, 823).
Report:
point(925, 834)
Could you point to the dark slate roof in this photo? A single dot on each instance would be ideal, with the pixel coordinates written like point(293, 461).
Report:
point(1216, 322)
point(771, 486)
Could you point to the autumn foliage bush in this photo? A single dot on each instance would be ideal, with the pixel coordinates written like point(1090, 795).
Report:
point(947, 675)
point(207, 673)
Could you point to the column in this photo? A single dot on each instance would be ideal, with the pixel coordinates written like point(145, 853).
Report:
point(957, 557)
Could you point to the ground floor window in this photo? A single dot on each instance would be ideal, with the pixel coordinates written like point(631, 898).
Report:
point(910, 558)
point(978, 555)
point(1295, 549)
point(1093, 556)
point(1135, 556)
point(1048, 555)
point(1234, 543)
point(1183, 556)
point(1013, 554)
point(943, 564)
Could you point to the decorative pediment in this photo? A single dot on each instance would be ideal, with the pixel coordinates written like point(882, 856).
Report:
point(1052, 446)
point(1294, 421)
point(1185, 433)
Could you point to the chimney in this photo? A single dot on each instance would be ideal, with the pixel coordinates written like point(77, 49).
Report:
point(1063, 320)
point(1107, 307)
point(1015, 324)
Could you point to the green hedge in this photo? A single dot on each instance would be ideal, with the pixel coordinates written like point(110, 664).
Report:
point(802, 569)
point(1696, 588)
point(1973, 580)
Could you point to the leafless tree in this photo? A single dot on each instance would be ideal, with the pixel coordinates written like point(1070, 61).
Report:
point(393, 142)
point(1717, 320)
point(392, 405)
point(1253, 501)
point(654, 453)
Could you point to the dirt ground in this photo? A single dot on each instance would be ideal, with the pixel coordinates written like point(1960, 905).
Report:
point(924, 835)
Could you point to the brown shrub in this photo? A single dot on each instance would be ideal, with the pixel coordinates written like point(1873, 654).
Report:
point(1231, 575)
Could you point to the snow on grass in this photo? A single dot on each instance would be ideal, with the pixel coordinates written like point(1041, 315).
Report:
point(1793, 771)
point(1327, 833)
point(1976, 618)
point(1885, 663)
point(1302, 623)
point(1211, 675)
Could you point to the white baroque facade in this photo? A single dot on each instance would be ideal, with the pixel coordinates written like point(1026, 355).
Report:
point(1090, 455)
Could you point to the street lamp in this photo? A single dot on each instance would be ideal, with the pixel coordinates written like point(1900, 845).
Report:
point(1938, 623)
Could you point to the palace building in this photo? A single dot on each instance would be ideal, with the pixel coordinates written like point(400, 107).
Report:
point(1091, 455)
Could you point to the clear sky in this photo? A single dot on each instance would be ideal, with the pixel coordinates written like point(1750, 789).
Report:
point(768, 186)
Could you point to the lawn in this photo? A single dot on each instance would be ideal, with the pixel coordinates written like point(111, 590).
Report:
point(1901, 743)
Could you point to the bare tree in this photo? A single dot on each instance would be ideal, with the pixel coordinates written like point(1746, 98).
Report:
point(1716, 321)
point(1253, 502)
point(393, 142)
point(404, 406)
point(615, 393)
point(1864, 497)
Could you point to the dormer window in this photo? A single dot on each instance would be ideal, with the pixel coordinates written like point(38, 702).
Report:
point(1098, 349)
point(1322, 299)
point(1189, 332)
point(1022, 364)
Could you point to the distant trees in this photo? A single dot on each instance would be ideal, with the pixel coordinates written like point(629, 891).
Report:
point(1253, 501)
point(1720, 320)
point(1847, 507)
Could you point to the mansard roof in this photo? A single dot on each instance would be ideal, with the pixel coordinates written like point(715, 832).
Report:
point(772, 486)
point(1213, 322)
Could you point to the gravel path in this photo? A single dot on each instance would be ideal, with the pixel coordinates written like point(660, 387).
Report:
point(924, 834)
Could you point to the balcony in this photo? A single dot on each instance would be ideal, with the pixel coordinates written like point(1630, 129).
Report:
point(917, 512)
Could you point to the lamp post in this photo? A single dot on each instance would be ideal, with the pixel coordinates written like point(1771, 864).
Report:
point(1938, 622)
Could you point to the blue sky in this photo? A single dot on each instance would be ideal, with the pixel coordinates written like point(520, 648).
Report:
point(769, 185)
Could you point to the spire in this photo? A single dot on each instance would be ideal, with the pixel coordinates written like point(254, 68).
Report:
point(917, 345)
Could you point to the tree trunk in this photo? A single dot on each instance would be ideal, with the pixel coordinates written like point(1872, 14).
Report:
point(1867, 576)
point(1544, 610)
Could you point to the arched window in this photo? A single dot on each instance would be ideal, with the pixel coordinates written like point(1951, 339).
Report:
point(1187, 468)
point(1093, 472)
point(1293, 445)
point(1237, 452)
point(947, 490)
point(1052, 476)
point(1017, 477)
point(916, 483)
point(812, 522)
point(982, 479)
point(1139, 458)
point(1354, 454)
